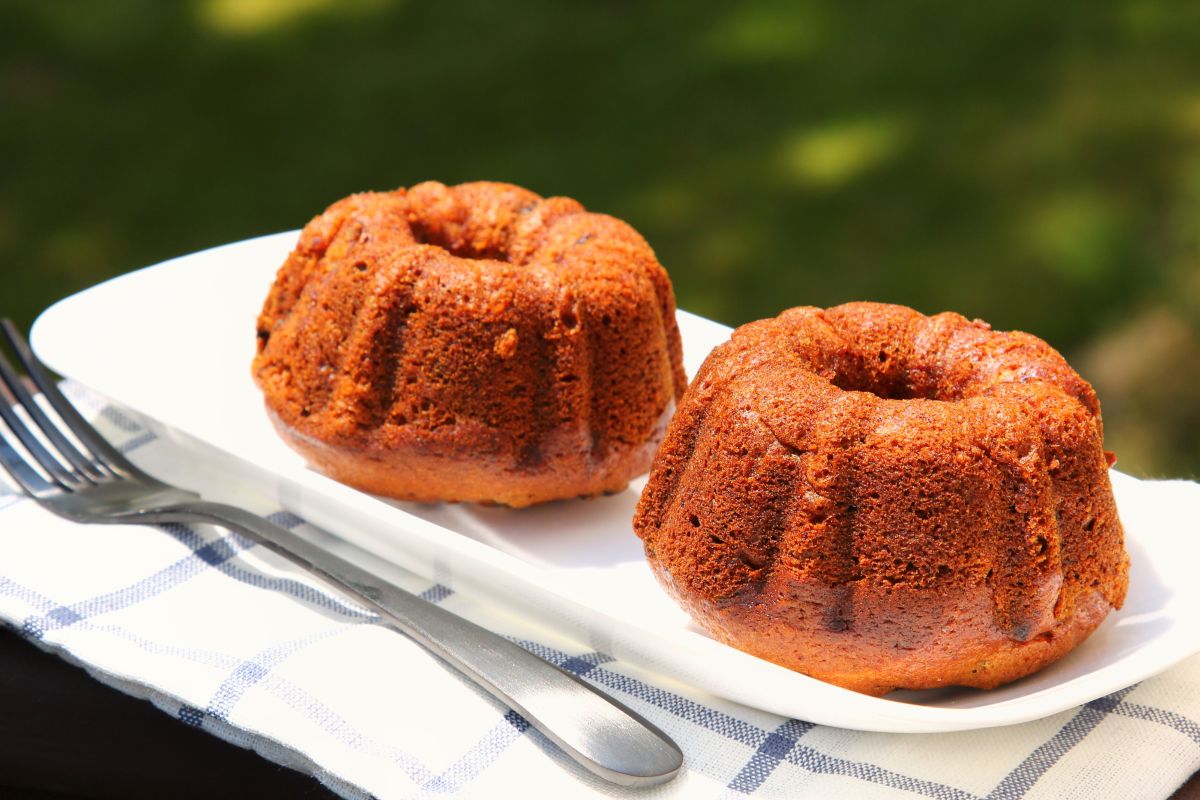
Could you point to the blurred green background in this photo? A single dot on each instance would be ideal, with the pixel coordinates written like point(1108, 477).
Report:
point(1036, 165)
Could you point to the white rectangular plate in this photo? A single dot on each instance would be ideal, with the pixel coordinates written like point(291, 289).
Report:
point(174, 342)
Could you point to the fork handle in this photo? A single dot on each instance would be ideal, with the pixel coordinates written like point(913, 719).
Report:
point(604, 736)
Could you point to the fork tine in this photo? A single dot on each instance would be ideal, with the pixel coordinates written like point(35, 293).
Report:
point(32, 445)
point(26, 476)
point(104, 452)
point(47, 426)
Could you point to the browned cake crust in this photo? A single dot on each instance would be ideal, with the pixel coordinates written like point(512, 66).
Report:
point(475, 343)
point(886, 500)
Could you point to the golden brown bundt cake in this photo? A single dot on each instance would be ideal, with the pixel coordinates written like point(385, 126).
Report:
point(475, 343)
point(886, 500)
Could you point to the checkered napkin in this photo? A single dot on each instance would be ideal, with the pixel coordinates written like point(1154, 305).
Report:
point(231, 639)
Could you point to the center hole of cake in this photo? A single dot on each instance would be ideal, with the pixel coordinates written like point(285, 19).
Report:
point(457, 244)
point(873, 376)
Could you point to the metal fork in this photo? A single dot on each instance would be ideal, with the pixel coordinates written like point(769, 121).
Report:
point(96, 483)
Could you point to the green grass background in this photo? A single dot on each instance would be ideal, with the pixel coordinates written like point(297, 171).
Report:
point(1036, 165)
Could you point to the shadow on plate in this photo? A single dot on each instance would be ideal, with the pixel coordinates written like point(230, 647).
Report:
point(594, 533)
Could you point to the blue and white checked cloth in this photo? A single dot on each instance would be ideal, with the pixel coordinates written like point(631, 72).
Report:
point(230, 639)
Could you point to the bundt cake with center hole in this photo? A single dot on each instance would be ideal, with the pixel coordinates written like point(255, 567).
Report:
point(471, 343)
point(884, 500)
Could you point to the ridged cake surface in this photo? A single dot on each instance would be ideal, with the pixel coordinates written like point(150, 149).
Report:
point(471, 343)
point(886, 500)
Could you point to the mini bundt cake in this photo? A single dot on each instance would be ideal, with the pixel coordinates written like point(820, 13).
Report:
point(471, 343)
point(886, 500)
